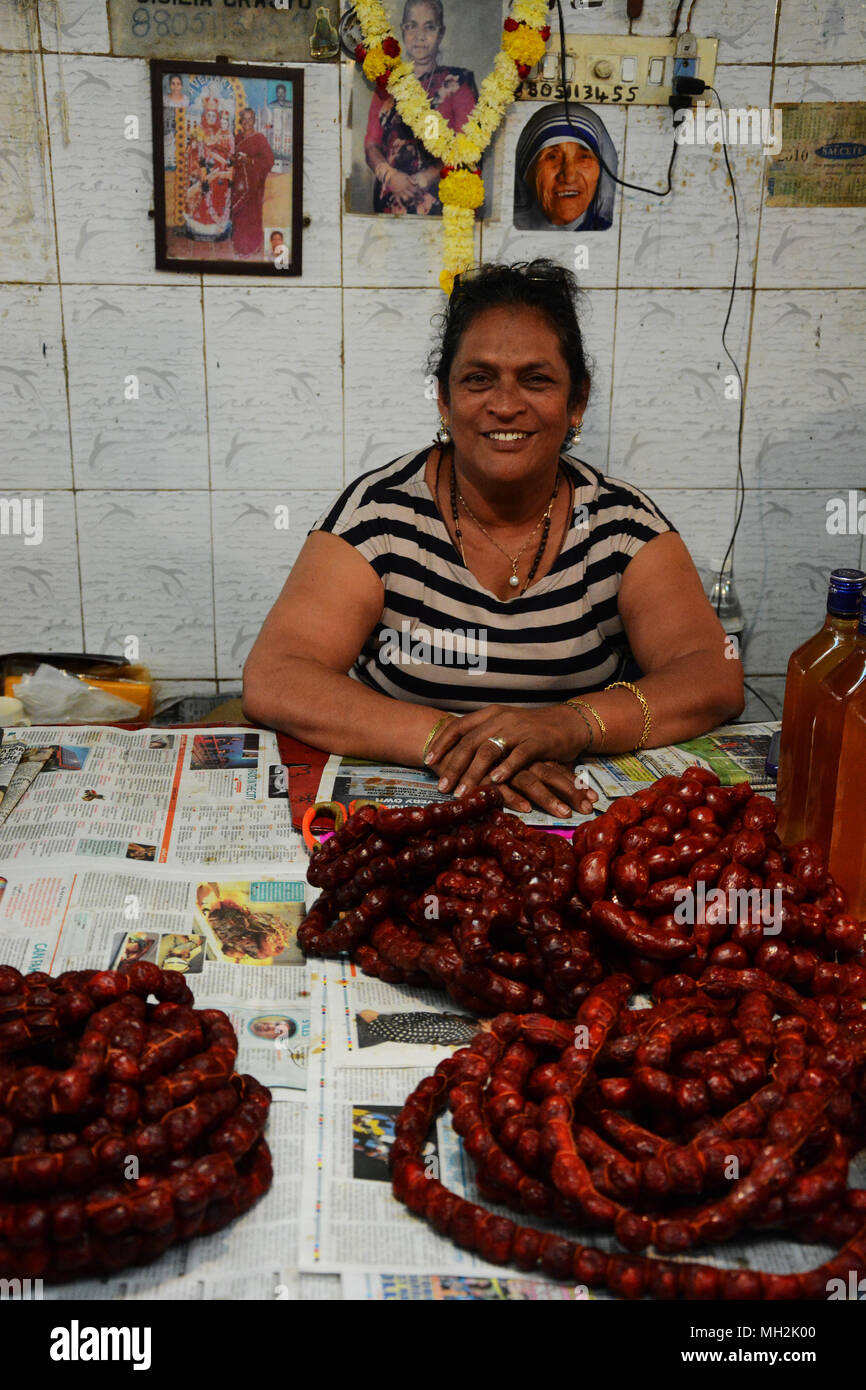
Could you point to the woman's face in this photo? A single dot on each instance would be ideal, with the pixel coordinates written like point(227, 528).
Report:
point(421, 34)
point(509, 392)
point(565, 178)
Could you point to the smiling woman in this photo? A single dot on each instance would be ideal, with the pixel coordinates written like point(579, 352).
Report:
point(494, 544)
point(560, 178)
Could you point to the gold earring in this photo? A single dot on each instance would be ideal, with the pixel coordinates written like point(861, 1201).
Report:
point(443, 434)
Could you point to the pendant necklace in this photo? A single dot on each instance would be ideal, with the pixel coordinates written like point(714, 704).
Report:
point(544, 522)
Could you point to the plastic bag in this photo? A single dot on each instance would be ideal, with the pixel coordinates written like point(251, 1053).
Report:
point(51, 696)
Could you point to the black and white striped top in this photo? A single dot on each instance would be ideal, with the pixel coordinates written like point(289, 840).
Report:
point(445, 640)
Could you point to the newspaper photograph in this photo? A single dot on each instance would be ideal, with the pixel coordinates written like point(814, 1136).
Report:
point(380, 1025)
point(10, 757)
point(274, 1041)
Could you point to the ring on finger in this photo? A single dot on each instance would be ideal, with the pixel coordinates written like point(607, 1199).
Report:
point(499, 743)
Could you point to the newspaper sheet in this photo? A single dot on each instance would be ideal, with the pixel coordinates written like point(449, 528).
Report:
point(350, 779)
point(350, 1220)
point(737, 752)
point(376, 1287)
point(153, 796)
point(234, 941)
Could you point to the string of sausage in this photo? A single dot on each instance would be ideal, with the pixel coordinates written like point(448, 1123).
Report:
point(750, 1063)
point(123, 1125)
point(506, 918)
point(564, 1129)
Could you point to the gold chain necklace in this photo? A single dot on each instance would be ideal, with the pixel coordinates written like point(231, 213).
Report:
point(544, 520)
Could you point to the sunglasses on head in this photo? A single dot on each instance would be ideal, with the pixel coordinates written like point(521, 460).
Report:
point(551, 274)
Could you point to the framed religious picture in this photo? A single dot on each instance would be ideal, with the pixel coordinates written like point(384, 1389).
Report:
point(228, 167)
point(452, 46)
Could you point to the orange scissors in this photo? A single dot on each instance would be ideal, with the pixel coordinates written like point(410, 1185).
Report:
point(336, 811)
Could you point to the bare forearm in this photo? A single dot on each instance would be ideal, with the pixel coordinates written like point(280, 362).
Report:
point(329, 710)
point(688, 697)
point(375, 156)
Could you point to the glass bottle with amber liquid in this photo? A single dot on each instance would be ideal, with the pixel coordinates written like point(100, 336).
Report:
point(835, 694)
point(807, 667)
point(848, 839)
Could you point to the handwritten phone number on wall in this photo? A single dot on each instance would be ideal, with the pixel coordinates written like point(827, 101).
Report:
point(577, 91)
point(225, 24)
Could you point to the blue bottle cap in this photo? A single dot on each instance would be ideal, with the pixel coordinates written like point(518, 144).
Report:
point(845, 593)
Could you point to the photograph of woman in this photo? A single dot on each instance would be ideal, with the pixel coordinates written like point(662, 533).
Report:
point(174, 99)
point(560, 183)
point(254, 160)
point(393, 172)
point(406, 174)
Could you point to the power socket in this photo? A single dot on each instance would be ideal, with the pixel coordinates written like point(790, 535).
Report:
point(686, 56)
point(619, 69)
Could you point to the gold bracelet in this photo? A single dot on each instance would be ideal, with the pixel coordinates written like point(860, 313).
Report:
point(433, 732)
point(594, 712)
point(647, 717)
point(575, 705)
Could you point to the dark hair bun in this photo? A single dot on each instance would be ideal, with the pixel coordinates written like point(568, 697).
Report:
point(541, 284)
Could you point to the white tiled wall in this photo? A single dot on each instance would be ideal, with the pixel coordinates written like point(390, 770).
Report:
point(162, 512)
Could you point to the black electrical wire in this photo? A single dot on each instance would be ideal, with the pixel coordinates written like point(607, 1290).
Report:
point(760, 697)
point(654, 192)
point(741, 482)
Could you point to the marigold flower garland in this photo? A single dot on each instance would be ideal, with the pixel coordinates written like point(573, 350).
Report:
point(461, 188)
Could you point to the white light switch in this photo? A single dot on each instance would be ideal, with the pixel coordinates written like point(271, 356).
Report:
point(633, 68)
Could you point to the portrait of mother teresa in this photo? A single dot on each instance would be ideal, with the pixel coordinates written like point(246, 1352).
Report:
point(560, 183)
